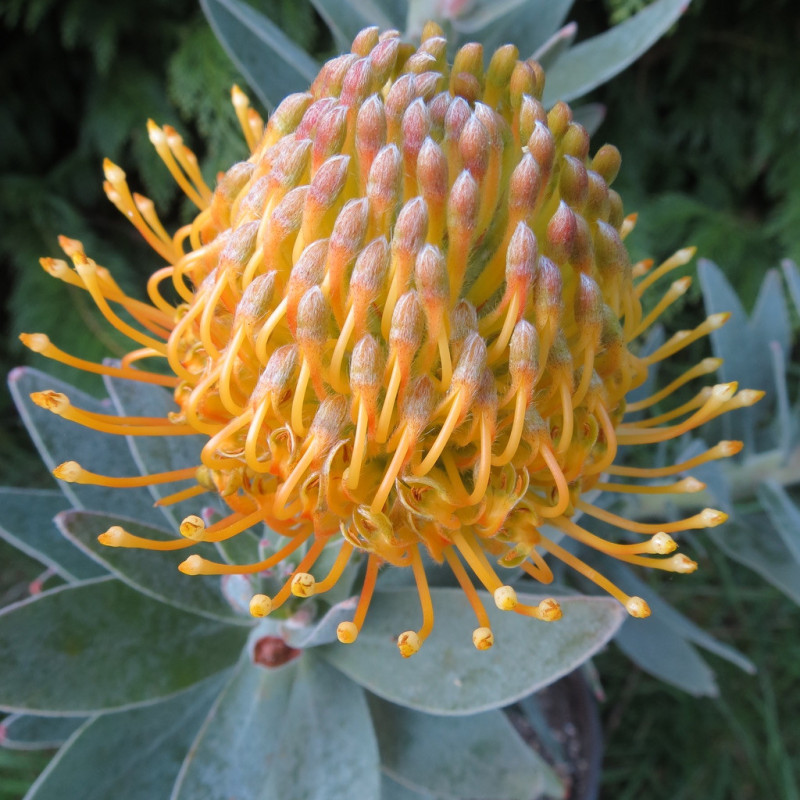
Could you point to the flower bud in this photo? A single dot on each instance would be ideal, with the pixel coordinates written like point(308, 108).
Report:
point(370, 135)
point(576, 142)
point(383, 57)
point(357, 84)
point(606, 163)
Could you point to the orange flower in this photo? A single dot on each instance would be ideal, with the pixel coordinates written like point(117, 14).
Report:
point(405, 320)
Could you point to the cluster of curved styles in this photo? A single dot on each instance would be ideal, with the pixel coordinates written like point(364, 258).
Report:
point(406, 321)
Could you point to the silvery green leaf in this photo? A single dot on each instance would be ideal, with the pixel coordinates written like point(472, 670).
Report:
point(28, 732)
point(151, 572)
point(272, 63)
point(448, 675)
point(58, 440)
point(27, 524)
point(792, 277)
point(153, 454)
point(770, 319)
point(596, 60)
point(133, 755)
point(557, 44)
point(590, 115)
point(750, 540)
point(783, 513)
point(786, 433)
point(346, 18)
point(448, 756)
point(742, 346)
point(392, 790)
point(673, 619)
point(300, 731)
point(101, 646)
point(525, 23)
point(658, 649)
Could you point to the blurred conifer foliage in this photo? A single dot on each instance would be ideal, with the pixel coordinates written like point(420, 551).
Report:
point(709, 127)
point(79, 79)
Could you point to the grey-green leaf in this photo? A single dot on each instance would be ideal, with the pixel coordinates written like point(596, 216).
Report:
point(27, 524)
point(528, 24)
point(448, 675)
point(657, 649)
point(784, 515)
point(593, 62)
point(792, 276)
point(28, 732)
point(99, 645)
point(750, 540)
point(133, 755)
point(151, 572)
point(59, 440)
point(627, 580)
point(272, 63)
point(302, 731)
point(346, 18)
point(447, 756)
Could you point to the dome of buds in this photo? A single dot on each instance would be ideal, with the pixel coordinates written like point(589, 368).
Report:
point(405, 323)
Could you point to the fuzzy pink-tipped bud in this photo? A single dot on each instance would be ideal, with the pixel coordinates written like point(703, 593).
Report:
point(542, 147)
point(561, 232)
point(474, 146)
point(383, 58)
point(531, 111)
point(463, 204)
point(330, 136)
point(358, 83)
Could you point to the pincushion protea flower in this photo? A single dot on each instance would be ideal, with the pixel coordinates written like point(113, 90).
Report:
point(407, 321)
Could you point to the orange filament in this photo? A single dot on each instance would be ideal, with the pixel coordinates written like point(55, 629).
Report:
point(40, 343)
point(561, 484)
point(484, 463)
point(72, 472)
point(424, 594)
point(305, 564)
point(724, 449)
point(472, 555)
point(450, 424)
point(685, 486)
point(230, 526)
point(195, 565)
point(367, 589)
point(398, 459)
point(683, 256)
point(116, 536)
point(567, 418)
point(707, 518)
point(538, 570)
point(88, 274)
point(177, 497)
point(359, 447)
point(160, 142)
point(515, 436)
point(282, 495)
point(588, 572)
point(335, 572)
point(385, 418)
point(683, 339)
point(705, 367)
point(466, 586)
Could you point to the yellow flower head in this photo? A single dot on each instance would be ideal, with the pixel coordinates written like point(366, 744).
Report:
point(406, 321)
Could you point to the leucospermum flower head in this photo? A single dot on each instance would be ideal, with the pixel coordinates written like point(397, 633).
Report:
point(406, 322)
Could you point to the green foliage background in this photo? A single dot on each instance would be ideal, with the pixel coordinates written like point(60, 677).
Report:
point(709, 127)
